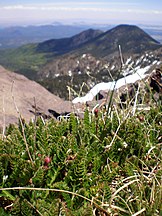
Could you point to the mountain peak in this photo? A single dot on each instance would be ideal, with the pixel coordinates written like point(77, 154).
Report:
point(132, 32)
point(126, 26)
point(131, 38)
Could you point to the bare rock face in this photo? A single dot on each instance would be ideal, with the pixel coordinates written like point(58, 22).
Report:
point(156, 81)
point(21, 96)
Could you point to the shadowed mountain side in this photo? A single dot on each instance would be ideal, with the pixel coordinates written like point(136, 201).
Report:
point(64, 45)
point(132, 39)
point(32, 59)
point(95, 51)
point(18, 91)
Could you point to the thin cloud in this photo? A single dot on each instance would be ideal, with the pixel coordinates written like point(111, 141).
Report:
point(19, 7)
point(54, 7)
point(88, 12)
point(83, 3)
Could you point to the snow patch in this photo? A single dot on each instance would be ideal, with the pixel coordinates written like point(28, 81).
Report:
point(97, 62)
point(138, 75)
point(155, 62)
point(70, 73)
point(84, 55)
point(128, 61)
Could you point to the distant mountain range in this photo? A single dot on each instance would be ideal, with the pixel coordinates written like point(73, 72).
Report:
point(16, 36)
point(56, 63)
point(132, 39)
point(12, 37)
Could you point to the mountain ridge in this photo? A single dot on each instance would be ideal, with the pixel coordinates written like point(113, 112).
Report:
point(101, 44)
point(106, 46)
point(131, 38)
point(65, 45)
point(87, 55)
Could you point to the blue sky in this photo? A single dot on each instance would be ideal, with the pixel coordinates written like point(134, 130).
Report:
point(24, 12)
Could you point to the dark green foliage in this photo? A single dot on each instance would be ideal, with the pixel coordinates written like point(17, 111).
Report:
point(81, 164)
point(23, 60)
point(58, 85)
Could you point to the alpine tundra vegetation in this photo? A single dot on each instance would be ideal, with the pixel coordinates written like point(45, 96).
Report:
point(107, 163)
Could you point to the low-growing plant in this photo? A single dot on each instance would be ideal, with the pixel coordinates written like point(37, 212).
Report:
point(103, 164)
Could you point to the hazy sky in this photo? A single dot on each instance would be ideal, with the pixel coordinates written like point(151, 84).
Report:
point(16, 12)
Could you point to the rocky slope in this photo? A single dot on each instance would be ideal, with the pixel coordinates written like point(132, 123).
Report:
point(82, 72)
point(20, 95)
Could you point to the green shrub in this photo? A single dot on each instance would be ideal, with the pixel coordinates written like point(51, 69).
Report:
point(98, 166)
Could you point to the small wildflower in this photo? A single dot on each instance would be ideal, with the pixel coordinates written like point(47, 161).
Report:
point(141, 118)
point(96, 112)
point(45, 167)
point(47, 160)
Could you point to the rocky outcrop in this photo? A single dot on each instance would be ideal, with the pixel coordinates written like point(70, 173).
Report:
point(156, 81)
